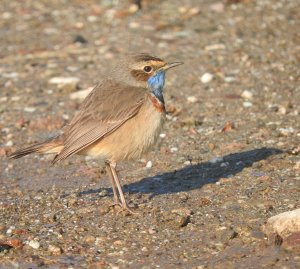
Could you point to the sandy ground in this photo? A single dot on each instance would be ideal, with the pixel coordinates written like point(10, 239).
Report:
point(228, 158)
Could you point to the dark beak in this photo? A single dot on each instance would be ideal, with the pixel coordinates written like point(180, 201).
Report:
point(171, 65)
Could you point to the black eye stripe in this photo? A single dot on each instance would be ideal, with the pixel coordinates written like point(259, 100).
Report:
point(147, 68)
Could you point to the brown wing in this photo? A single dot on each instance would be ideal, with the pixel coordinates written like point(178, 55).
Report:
point(105, 109)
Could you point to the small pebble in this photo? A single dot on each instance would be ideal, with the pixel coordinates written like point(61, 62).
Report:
point(9, 143)
point(29, 109)
point(63, 80)
point(3, 99)
point(162, 135)
point(55, 250)
point(92, 18)
point(174, 149)
point(247, 104)
point(286, 131)
point(229, 79)
point(65, 116)
point(191, 99)
point(282, 110)
point(13, 242)
point(89, 239)
point(10, 75)
point(215, 47)
point(216, 160)
point(206, 77)
point(133, 8)
point(15, 98)
point(152, 231)
point(34, 244)
point(134, 25)
point(217, 7)
point(7, 15)
point(80, 95)
point(247, 94)
point(149, 165)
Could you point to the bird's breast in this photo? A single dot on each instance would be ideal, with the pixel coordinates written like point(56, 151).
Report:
point(135, 137)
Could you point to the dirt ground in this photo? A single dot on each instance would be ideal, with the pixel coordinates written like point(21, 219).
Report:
point(228, 158)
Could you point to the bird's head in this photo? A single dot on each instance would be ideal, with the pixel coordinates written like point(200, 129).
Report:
point(149, 71)
point(142, 70)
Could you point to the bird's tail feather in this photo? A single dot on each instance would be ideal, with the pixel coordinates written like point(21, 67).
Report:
point(52, 145)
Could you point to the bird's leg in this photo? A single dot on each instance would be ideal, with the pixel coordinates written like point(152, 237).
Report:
point(113, 184)
point(124, 204)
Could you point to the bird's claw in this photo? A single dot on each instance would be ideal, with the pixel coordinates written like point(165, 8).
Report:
point(122, 208)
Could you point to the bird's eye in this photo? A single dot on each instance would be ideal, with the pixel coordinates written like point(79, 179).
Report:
point(147, 68)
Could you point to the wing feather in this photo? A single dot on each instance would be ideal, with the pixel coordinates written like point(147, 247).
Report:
point(104, 110)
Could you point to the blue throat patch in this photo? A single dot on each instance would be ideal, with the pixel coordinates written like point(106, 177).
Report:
point(156, 84)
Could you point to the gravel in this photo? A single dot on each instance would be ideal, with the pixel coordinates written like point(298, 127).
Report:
point(227, 160)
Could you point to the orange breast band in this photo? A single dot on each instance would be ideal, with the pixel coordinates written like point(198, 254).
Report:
point(160, 107)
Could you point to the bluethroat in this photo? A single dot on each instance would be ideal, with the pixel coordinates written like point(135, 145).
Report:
point(119, 120)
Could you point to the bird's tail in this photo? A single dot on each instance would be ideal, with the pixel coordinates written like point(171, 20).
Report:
point(52, 145)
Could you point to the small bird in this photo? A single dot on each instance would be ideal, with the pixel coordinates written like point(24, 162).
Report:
point(119, 120)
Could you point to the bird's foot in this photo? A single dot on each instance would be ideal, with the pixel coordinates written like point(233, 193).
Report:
point(123, 208)
point(115, 204)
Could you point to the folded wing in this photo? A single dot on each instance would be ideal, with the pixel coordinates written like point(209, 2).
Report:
point(108, 106)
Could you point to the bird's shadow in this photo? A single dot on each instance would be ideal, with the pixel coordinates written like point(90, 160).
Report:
point(195, 176)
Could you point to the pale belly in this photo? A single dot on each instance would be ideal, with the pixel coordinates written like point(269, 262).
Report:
point(134, 138)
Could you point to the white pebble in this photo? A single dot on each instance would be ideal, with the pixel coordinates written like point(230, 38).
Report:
point(29, 109)
point(65, 116)
point(191, 99)
point(152, 231)
point(282, 110)
point(15, 98)
point(207, 77)
point(247, 94)
point(247, 104)
point(216, 159)
point(63, 80)
point(50, 31)
point(80, 95)
point(169, 117)
point(9, 143)
point(162, 135)
point(133, 8)
point(134, 25)
point(10, 75)
point(92, 18)
point(34, 244)
point(174, 149)
point(200, 130)
point(286, 131)
point(7, 15)
point(187, 163)
point(149, 165)
point(229, 79)
point(215, 47)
